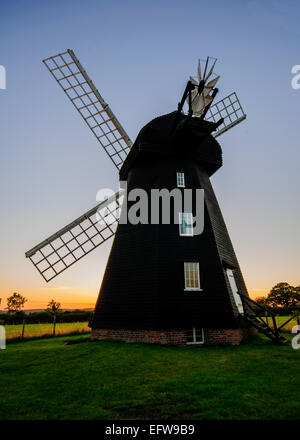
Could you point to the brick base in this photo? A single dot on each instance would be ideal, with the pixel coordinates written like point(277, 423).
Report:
point(174, 337)
point(228, 336)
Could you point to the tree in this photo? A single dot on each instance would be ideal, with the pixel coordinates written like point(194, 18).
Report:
point(15, 302)
point(53, 308)
point(283, 294)
point(262, 300)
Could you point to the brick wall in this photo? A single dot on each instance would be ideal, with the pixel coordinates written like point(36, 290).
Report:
point(228, 336)
point(173, 337)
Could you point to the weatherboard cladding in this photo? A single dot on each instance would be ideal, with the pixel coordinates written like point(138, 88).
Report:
point(222, 238)
point(143, 284)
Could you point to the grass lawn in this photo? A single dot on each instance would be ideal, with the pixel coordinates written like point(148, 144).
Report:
point(45, 379)
point(42, 330)
point(281, 320)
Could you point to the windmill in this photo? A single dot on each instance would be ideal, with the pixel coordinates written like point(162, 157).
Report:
point(161, 284)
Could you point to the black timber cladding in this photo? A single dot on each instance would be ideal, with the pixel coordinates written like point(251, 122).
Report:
point(143, 284)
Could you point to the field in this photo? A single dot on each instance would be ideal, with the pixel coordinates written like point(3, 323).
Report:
point(47, 379)
point(281, 320)
point(32, 331)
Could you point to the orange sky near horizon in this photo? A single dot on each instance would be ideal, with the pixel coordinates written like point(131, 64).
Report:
point(38, 298)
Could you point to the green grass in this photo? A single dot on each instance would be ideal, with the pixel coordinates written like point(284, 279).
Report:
point(32, 331)
point(45, 379)
point(282, 319)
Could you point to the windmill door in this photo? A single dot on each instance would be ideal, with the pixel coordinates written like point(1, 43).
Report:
point(234, 290)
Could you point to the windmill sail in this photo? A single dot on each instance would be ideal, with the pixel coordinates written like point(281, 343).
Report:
point(81, 91)
point(230, 110)
point(71, 243)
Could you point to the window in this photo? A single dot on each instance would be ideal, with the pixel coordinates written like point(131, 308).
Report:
point(191, 276)
point(180, 180)
point(195, 336)
point(186, 224)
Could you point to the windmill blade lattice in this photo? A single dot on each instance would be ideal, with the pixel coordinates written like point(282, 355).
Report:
point(71, 243)
point(228, 108)
point(83, 94)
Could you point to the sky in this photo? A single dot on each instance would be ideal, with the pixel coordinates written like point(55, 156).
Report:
point(140, 54)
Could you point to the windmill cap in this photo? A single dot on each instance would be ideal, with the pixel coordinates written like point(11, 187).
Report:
point(175, 135)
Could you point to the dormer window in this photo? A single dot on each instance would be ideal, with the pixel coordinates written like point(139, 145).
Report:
point(180, 180)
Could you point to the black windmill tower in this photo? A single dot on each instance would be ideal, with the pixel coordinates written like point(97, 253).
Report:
point(163, 282)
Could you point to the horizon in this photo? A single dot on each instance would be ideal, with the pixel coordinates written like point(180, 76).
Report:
point(42, 304)
point(52, 167)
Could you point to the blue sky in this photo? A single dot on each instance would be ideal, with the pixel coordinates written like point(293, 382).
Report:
point(140, 54)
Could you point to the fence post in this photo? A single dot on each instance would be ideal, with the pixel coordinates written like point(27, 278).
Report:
point(23, 329)
point(54, 324)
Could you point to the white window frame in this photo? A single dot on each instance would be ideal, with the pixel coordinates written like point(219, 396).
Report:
point(186, 228)
point(180, 179)
point(186, 279)
point(195, 342)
